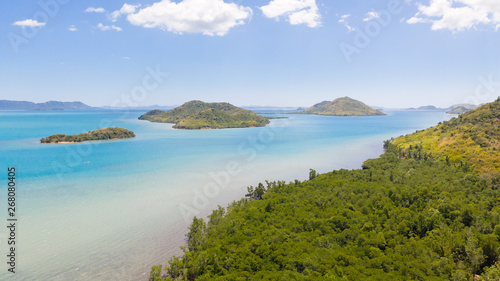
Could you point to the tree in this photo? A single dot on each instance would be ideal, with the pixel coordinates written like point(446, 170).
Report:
point(474, 252)
point(197, 234)
point(312, 174)
point(155, 274)
point(387, 143)
point(492, 273)
point(257, 192)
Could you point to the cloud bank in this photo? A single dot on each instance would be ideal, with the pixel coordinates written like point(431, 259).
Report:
point(29, 22)
point(458, 15)
point(208, 17)
point(296, 11)
point(95, 10)
point(103, 27)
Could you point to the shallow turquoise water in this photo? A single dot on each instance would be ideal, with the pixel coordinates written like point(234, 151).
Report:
point(112, 209)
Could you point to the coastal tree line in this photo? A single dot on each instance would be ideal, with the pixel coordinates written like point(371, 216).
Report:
point(426, 209)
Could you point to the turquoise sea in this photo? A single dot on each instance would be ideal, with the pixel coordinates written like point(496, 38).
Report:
point(109, 210)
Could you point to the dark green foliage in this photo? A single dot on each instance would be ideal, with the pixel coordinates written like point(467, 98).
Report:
point(202, 115)
point(257, 192)
point(218, 119)
point(312, 174)
point(394, 220)
point(155, 274)
point(99, 134)
point(387, 143)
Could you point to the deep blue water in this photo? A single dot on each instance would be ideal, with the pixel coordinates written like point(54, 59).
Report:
point(114, 208)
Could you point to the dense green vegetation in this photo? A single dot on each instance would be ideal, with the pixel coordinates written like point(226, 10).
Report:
point(99, 134)
point(472, 139)
point(202, 115)
point(342, 107)
point(401, 217)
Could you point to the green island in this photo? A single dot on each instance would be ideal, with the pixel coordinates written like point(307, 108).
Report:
point(195, 115)
point(99, 134)
point(426, 209)
point(458, 110)
point(342, 107)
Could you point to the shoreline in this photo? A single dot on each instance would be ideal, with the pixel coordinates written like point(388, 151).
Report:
point(73, 142)
point(121, 194)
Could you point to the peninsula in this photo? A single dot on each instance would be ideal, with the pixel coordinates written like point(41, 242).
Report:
point(342, 107)
point(426, 209)
point(99, 134)
point(195, 115)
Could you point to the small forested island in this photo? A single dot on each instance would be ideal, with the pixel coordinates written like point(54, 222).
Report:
point(99, 134)
point(342, 107)
point(427, 209)
point(202, 115)
point(458, 110)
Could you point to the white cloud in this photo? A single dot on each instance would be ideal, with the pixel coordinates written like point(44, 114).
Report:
point(125, 10)
point(95, 10)
point(458, 15)
point(343, 20)
point(209, 17)
point(29, 22)
point(107, 27)
point(72, 28)
point(371, 15)
point(126, 58)
point(298, 11)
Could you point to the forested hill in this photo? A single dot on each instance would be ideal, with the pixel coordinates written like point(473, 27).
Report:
point(472, 139)
point(202, 115)
point(398, 218)
point(342, 107)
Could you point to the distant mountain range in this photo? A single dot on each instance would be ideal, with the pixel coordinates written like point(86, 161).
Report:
point(50, 105)
point(271, 108)
point(146, 107)
point(454, 109)
point(341, 106)
point(426, 107)
point(58, 105)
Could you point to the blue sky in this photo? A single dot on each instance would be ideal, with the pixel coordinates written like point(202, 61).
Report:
point(281, 53)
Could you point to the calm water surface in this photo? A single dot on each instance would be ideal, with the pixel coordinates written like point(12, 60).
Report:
point(110, 210)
